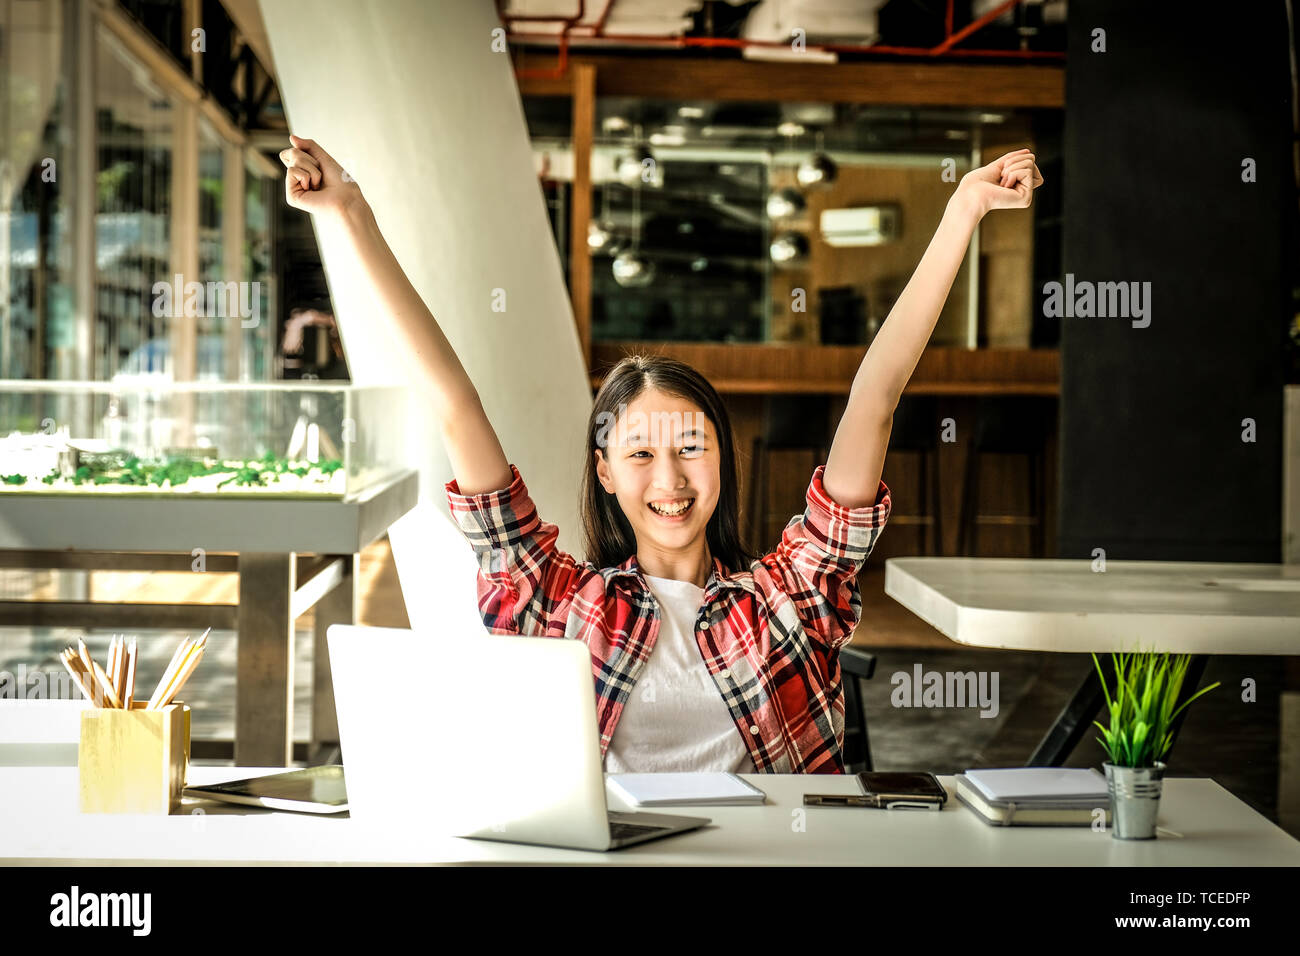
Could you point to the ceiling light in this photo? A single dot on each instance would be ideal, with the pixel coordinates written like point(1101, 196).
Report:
point(639, 168)
point(817, 170)
point(788, 247)
point(784, 203)
point(598, 237)
point(633, 271)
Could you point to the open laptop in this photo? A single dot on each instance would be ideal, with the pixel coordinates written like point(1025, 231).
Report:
point(492, 737)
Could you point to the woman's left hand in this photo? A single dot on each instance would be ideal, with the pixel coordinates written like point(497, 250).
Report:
point(1006, 183)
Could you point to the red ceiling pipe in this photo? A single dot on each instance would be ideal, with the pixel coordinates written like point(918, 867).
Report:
point(562, 65)
point(946, 48)
point(680, 42)
point(954, 38)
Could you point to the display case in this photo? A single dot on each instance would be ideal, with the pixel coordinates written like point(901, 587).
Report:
point(316, 439)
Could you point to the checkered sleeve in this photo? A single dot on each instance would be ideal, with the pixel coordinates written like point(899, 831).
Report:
point(819, 557)
point(523, 576)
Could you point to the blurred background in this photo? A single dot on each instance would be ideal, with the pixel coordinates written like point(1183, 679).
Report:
point(748, 186)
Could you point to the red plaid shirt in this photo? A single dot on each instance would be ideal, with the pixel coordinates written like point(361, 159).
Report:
point(770, 636)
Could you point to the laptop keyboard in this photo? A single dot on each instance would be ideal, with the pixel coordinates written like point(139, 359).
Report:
point(622, 831)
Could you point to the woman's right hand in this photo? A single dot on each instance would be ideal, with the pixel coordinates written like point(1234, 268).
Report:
point(315, 182)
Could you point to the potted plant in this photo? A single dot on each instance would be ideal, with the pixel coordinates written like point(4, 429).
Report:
point(1142, 713)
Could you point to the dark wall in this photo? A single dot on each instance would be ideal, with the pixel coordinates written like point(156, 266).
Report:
point(1153, 465)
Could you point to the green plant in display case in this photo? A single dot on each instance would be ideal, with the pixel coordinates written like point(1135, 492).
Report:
point(247, 475)
point(174, 470)
point(143, 435)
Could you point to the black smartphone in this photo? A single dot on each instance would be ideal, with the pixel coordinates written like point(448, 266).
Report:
point(888, 791)
point(908, 788)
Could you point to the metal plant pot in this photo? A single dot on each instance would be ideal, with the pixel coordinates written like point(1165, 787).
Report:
point(1134, 800)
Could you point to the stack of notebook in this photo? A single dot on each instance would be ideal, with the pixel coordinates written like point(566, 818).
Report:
point(1035, 796)
point(684, 789)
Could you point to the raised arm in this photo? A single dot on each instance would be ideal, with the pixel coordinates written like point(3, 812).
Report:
point(314, 182)
point(857, 454)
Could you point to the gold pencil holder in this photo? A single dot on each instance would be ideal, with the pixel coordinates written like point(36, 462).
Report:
point(133, 761)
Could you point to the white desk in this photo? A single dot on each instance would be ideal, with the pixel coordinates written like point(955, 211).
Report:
point(1060, 605)
point(43, 826)
point(1065, 606)
point(264, 540)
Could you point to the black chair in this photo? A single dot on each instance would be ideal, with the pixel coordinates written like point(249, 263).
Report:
point(916, 431)
point(1016, 426)
point(856, 666)
point(790, 423)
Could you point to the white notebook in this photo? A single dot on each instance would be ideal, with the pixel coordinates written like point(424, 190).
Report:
point(1023, 784)
point(711, 789)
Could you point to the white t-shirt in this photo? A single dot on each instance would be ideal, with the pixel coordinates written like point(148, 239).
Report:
point(675, 718)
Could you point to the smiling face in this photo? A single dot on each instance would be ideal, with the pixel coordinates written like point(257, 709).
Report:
point(662, 463)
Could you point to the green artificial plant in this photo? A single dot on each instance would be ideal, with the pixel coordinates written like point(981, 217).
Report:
point(1142, 710)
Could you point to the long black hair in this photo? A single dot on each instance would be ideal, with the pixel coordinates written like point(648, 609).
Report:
point(610, 539)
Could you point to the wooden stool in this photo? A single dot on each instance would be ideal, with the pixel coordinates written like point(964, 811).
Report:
point(1008, 426)
point(916, 431)
point(790, 423)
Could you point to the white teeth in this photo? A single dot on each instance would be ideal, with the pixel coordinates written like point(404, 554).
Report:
point(673, 511)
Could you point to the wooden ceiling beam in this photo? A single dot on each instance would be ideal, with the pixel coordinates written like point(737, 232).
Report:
point(1016, 86)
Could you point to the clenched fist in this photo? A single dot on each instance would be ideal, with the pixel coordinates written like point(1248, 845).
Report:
point(314, 181)
point(1006, 183)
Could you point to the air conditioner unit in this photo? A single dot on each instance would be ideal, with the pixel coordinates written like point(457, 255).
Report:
point(860, 226)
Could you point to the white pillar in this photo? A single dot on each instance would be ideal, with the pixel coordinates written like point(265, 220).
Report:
point(411, 99)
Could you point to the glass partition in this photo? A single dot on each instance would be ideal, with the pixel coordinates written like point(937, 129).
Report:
point(783, 222)
point(37, 186)
point(210, 364)
point(199, 438)
point(260, 193)
point(133, 167)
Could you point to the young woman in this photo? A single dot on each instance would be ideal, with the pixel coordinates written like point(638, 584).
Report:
point(704, 657)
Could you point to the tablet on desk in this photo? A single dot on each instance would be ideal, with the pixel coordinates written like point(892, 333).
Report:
point(309, 790)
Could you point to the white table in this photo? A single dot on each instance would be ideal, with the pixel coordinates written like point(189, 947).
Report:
point(1062, 605)
point(1066, 606)
point(1217, 830)
point(264, 540)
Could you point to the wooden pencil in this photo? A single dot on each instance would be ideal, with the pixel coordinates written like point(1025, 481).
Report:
point(78, 678)
point(172, 666)
point(83, 655)
point(130, 674)
point(102, 679)
point(110, 667)
point(119, 676)
point(125, 663)
point(178, 680)
point(88, 678)
point(183, 674)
